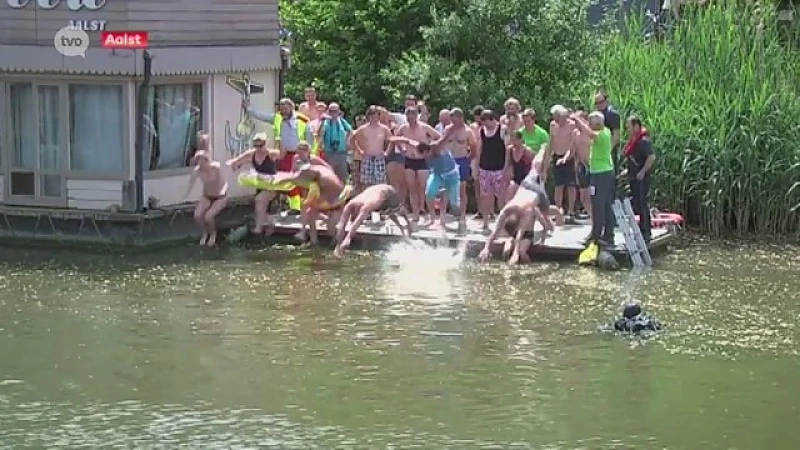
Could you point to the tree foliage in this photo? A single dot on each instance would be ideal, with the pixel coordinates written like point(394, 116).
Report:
point(483, 52)
point(340, 47)
point(454, 52)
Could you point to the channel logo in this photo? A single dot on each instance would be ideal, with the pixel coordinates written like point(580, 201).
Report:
point(71, 41)
point(124, 39)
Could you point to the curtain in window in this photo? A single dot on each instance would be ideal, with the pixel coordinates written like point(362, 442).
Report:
point(171, 124)
point(23, 128)
point(96, 134)
point(49, 128)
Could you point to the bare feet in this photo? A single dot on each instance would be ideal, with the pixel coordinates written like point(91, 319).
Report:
point(462, 226)
point(203, 239)
point(300, 235)
point(212, 239)
point(338, 252)
point(514, 258)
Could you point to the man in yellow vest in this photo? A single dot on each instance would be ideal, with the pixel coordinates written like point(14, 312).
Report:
point(289, 129)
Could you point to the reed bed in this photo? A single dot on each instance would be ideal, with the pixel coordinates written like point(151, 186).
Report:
point(721, 96)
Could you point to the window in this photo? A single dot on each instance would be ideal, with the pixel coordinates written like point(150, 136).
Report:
point(96, 128)
point(173, 118)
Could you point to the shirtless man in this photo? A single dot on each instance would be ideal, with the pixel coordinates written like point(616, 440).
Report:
point(517, 219)
point(372, 141)
point(475, 127)
point(309, 107)
point(559, 153)
point(329, 198)
point(380, 198)
point(461, 142)
point(214, 199)
point(583, 142)
point(512, 119)
point(416, 167)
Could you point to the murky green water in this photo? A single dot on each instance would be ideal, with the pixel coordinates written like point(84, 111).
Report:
point(268, 348)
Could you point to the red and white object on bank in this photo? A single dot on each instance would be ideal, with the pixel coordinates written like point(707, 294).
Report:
point(125, 39)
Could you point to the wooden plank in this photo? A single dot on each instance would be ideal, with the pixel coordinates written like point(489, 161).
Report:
point(102, 185)
point(567, 239)
point(92, 204)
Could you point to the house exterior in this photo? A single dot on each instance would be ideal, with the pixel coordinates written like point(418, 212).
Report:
point(68, 123)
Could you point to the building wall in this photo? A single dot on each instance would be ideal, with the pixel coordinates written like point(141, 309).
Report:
point(225, 114)
point(169, 22)
point(93, 194)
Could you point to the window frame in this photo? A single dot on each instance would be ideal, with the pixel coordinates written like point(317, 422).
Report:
point(63, 84)
point(205, 82)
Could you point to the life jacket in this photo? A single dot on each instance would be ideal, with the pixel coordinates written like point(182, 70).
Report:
point(302, 126)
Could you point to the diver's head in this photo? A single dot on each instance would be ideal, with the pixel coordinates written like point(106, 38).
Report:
point(631, 310)
point(512, 224)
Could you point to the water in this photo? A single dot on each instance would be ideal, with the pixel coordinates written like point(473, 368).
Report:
point(266, 348)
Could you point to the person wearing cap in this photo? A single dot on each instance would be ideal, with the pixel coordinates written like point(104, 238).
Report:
point(263, 163)
point(334, 135)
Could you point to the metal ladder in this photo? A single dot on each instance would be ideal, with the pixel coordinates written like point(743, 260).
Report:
point(634, 241)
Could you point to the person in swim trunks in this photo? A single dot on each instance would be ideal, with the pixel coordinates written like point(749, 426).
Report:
point(327, 194)
point(443, 179)
point(381, 198)
point(517, 218)
point(417, 170)
point(215, 195)
point(462, 144)
point(372, 141)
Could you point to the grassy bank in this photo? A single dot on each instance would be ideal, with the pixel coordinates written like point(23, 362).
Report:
point(722, 96)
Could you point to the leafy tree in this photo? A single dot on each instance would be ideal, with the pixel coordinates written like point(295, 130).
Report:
point(341, 47)
point(540, 51)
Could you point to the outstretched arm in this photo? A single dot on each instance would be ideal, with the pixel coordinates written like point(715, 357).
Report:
point(237, 162)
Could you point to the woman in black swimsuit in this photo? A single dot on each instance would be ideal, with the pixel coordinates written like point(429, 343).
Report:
point(520, 157)
point(260, 160)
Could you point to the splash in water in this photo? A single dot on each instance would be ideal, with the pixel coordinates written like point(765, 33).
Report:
point(417, 254)
point(421, 272)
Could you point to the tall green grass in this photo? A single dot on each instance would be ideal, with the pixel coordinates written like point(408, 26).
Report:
point(721, 96)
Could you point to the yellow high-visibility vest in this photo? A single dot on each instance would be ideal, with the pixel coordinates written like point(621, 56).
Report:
point(302, 126)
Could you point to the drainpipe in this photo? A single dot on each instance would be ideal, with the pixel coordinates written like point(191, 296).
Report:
point(286, 55)
point(141, 110)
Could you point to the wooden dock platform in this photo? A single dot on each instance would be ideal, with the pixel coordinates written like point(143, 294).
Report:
point(566, 242)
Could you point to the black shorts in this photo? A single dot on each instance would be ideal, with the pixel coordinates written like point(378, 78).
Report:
point(582, 175)
point(563, 174)
point(416, 164)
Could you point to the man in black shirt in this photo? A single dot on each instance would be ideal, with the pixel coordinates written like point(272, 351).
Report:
point(639, 159)
point(612, 122)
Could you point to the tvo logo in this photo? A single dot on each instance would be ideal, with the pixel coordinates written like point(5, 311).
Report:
point(73, 5)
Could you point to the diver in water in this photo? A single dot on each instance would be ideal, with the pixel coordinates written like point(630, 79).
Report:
point(633, 320)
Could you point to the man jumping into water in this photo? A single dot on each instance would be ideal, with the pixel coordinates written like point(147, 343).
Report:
point(381, 198)
point(215, 195)
point(327, 194)
point(516, 218)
